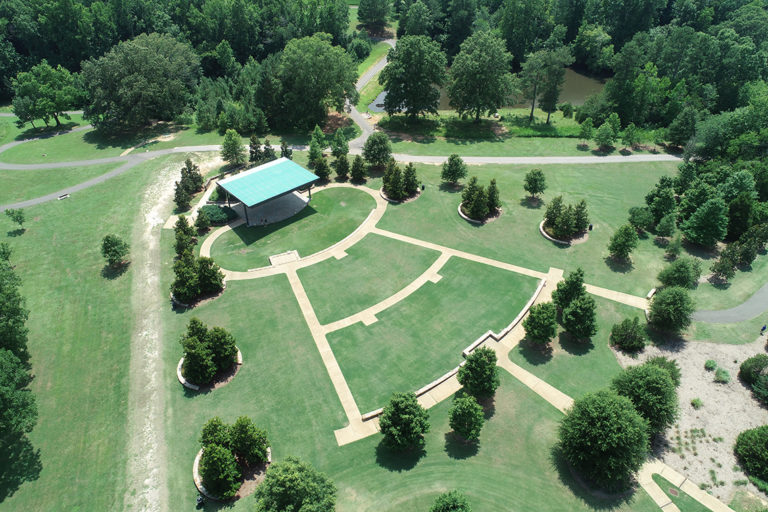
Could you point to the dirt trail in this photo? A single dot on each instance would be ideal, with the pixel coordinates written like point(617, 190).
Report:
point(146, 472)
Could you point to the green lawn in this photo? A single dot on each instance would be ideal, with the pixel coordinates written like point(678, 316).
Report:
point(735, 334)
point(610, 190)
point(420, 338)
point(378, 51)
point(684, 502)
point(374, 269)
point(369, 93)
point(10, 132)
point(330, 216)
point(79, 339)
point(23, 185)
point(576, 368)
point(739, 288)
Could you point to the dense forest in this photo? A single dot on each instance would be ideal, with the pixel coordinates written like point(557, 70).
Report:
point(694, 67)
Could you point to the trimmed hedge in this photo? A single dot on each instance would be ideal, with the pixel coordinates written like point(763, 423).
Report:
point(219, 215)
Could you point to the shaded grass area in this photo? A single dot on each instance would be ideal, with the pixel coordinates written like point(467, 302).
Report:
point(513, 467)
point(374, 269)
point(23, 185)
point(575, 367)
point(609, 190)
point(79, 339)
point(330, 216)
point(739, 288)
point(684, 502)
point(9, 132)
point(420, 338)
point(369, 93)
point(733, 334)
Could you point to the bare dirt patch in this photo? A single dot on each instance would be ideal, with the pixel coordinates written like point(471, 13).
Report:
point(700, 445)
point(146, 478)
point(335, 121)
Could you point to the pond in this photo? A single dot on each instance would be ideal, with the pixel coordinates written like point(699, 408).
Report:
point(576, 89)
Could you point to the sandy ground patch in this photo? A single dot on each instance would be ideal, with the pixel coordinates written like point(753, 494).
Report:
point(146, 472)
point(704, 449)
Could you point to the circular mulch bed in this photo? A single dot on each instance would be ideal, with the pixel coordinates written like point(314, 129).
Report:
point(488, 219)
point(402, 201)
point(573, 241)
point(252, 477)
point(221, 379)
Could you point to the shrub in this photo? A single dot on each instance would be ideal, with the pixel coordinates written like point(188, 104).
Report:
point(218, 215)
point(466, 417)
point(751, 369)
point(451, 501)
point(248, 442)
point(696, 403)
point(668, 365)
point(671, 309)
point(722, 376)
point(219, 471)
point(609, 455)
point(202, 222)
point(541, 324)
point(652, 392)
point(404, 421)
point(760, 389)
point(710, 365)
point(480, 375)
point(628, 335)
point(292, 484)
point(751, 450)
point(684, 272)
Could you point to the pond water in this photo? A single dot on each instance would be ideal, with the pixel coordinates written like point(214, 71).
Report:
point(576, 89)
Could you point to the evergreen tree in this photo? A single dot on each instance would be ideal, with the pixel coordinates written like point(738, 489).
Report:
point(623, 241)
point(342, 167)
point(494, 203)
point(321, 168)
point(315, 153)
point(579, 317)
point(232, 150)
point(358, 172)
point(478, 205)
point(181, 197)
point(339, 145)
point(469, 191)
point(285, 151)
point(410, 181)
point(202, 222)
point(394, 188)
point(569, 289)
point(553, 212)
point(454, 169)
point(586, 130)
point(269, 152)
point(255, 153)
point(580, 217)
point(565, 224)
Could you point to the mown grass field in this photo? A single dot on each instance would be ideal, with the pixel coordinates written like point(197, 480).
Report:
point(375, 268)
point(9, 132)
point(23, 185)
point(79, 339)
point(330, 216)
point(420, 338)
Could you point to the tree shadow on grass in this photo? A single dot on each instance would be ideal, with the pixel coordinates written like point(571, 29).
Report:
point(666, 341)
point(489, 406)
point(535, 353)
point(573, 346)
point(458, 448)
point(621, 266)
point(534, 203)
point(705, 253)
point(594, 498)
point(395, 460)
point(450, 187)
point(110, 272)
point(16, 232)
point(19, 463)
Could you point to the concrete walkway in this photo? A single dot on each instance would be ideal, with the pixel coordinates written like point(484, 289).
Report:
point(756, 305)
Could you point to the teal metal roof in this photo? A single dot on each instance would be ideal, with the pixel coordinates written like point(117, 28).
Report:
point(267, 181)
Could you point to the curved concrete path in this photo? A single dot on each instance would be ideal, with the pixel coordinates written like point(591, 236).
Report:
point(756, 305)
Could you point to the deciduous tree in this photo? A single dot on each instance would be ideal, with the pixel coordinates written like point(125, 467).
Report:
point(466, 417)
point(292, 484)
point(535, 183)
point(671, 309)
point(114, 249)
point(454, 169)
point(404, 421)
point(480, 375)
point(415, 69)
point(541, 324)
point(652, 392)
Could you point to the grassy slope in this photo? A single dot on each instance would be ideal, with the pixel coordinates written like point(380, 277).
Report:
point(514, 237)
point(22, 185)
point(332, 215)
point(577, 368)
point(80, 326)
point(374, 269)
point(684, 502)
point(10, 132)
point(421, 338)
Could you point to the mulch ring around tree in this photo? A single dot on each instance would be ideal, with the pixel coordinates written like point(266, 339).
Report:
point(252, 476)
point(175, 303)
point(401, 201)
point(222, 377)
point(490, 218)
point(580, 239)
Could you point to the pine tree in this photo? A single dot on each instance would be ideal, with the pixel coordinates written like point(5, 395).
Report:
point(255, 153)
point(269, 152)
point(580, 217)
point(564, 227)
point(410, 181)
point(342, 167)
point(358, 169)
point(339, 145)
point(319, 137)
point(315, 152)
point(394, 188)
point(181, 197)
point(554, 209)
point(321, 168)
point(285, 151)
point(232, 148)
point(586, 129)
point(494, 203)
point(469, 191)
point(478, 206)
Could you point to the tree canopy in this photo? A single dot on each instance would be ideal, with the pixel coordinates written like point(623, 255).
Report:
point(415, 69)
point(44, 92)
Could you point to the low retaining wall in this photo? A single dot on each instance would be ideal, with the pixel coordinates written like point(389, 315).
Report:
point(479, 341)
point(473, 221)
point(195, 387)
point(545, 235)
point(199, 480)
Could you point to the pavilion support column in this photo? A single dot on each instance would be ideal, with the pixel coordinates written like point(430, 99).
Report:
point(247, 221)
